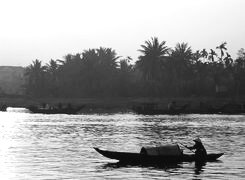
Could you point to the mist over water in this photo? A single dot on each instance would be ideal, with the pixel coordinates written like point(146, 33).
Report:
point(36, 146)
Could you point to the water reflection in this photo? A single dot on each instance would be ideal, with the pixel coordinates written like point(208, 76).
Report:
point(165, 167)
point(199, 167)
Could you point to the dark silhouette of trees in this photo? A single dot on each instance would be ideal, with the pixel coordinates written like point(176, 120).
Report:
point(222, 47)
point(107, 70)
point(212, 54)
point(239, 72)
point(182, 58)
point(125, 78)
point(150, 63)
point(159, 72)
point(204, 54)
point(99, 71)
point(69, 75)
point(52, 77)
point(36, 79)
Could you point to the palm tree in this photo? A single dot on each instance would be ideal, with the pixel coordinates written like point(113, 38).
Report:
point(241, 53)
point(239, 72)
point(212, 54)
point(182, 52)
point(90, 57)
point(69, 74)
point(216, 70)
point(204, 53)
point(52, 69)
point(125, 77)
point(182, 57)
point(222, 47)
point(52, 66)
point(196, 56)
point(107, 57)
point(150, 62)
point(90, 71)
point(107, 70)
point(228, 60)
point(125, 65)
point(99, 68)
point(35, 78)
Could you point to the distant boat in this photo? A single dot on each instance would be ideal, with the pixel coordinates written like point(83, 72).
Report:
point(55, 110)
point(158, 158)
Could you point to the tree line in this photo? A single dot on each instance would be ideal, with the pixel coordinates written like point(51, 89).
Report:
point(160, 71)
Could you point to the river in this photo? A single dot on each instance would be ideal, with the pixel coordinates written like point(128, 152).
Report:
point(36, 146)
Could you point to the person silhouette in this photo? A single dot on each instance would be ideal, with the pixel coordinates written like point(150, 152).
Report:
point(200, 151)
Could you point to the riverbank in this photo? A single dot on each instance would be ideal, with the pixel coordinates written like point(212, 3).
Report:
point(110, 105)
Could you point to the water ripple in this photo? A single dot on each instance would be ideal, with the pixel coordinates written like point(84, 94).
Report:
point(35, 146)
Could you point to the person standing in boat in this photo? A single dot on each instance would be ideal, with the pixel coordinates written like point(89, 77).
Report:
point(200, 151)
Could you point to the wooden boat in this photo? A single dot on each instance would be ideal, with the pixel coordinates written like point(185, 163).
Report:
point(140, 158)
point(67, 110)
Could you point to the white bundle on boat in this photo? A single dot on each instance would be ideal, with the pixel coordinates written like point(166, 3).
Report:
point(166, 150)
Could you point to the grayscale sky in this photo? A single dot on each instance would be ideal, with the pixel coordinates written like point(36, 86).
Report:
point(45, 29)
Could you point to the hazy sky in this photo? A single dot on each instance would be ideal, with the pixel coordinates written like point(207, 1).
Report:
point(45, 29)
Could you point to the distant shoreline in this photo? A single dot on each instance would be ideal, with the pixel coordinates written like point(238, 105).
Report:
point(110, 105)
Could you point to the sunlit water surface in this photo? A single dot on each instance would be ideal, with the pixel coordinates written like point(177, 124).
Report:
point(36, 146)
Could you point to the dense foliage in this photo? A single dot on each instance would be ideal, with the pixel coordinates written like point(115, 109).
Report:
point(160, 71)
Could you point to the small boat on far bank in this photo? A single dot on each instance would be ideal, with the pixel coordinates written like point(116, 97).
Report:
point(155, 158)
point(55, 110)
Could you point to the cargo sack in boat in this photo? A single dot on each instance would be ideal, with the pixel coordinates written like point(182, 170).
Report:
point(167, 150)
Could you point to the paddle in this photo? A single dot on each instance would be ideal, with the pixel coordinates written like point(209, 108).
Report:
point(182, 145)
point(186, 147)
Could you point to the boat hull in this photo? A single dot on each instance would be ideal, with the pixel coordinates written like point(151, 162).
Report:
point(137, 158)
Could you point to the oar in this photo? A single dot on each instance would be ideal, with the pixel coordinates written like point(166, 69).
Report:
point(186, 147)
point(183, 145)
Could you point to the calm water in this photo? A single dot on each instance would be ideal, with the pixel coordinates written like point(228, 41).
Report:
point(35, 146)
